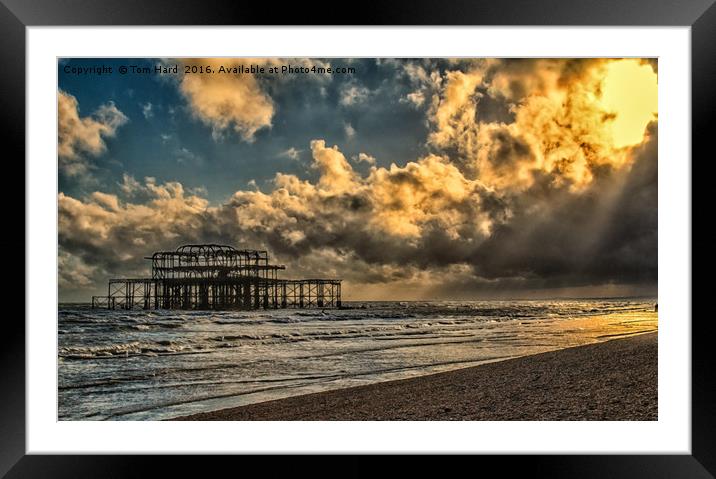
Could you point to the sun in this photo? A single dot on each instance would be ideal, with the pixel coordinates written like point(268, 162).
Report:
point(629, 92)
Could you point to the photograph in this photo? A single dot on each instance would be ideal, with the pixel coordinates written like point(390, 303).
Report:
point(427, 229)
point(357, 239)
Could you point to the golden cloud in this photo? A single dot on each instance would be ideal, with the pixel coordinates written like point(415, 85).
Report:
point(79, 135)
point(225, 101)
point(230, 101)
point(567, 118)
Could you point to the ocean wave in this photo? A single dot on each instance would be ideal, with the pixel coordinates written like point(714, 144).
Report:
point(128, 349)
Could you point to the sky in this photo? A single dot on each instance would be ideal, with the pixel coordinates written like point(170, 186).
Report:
point(410, 179)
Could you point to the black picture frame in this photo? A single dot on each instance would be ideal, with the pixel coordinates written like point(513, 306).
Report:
point(16, 15)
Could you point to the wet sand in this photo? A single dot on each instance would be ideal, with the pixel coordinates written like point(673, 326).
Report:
point(613, 381)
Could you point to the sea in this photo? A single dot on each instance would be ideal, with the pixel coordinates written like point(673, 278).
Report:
point(157, 365)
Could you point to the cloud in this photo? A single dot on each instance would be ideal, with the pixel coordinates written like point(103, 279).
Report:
point(227, 101)
point(185, 156)
point(559, 127)
point(417, 98)
point(353, 94)
point(129, 185)
point(349, 130)
point(233, 101)
point(337, 175)
point(365, 158)
point(78, 136)
point(73, 272)
point(455, 111)
point(423, 84)
point(112, 235)
point(147, 110)
point(291, 153)
point(606, 232)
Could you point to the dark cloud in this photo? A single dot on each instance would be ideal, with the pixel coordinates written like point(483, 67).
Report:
point(607, 233)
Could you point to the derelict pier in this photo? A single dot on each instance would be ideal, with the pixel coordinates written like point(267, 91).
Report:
point(218, 277)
